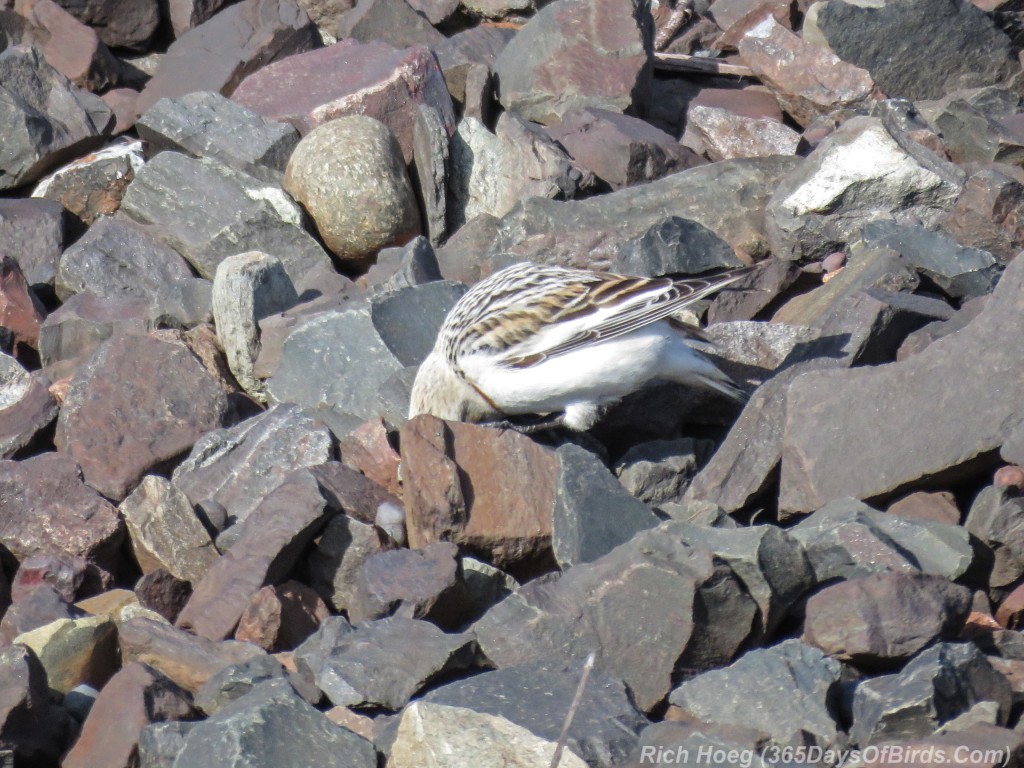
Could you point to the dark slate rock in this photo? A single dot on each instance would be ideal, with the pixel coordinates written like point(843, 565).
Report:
point(961, 272)
point(938, 685)
point(997, 518)
point(206, 124)
point(674, 246)
point(430, 162)
point(237, 467)
point(32, 728)
point(272, 726)
point(119, 23)
point(183, 304)
point(391, 21)
point(753, 293)
point(593, 513)
point(787, 691)
point(972, 133)
point(847, 539)
point(900, 44)
point(137, 403)
point(619, 606)
point(33, 231)
point(886, 617)
point(334, 563)
point(49, 120)
point(380, 663)
point(536, 697)
point(235, 681)
point(117, 258)
point(922, 337)
point(415, 263)
point(160, 591)
point(160, 743)
point(660, 471)
point(408, 319)
point(935, 412)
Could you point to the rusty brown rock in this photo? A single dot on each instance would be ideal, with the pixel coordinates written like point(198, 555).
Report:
point(368, 449)
point(940, 507)
point(161, 592)
point(92, 186)
point(1010, 612)
point(137, 403)
point(726, 135)
point(280, 618)
point(21, 312)
point(64, 573)
point(989, 214)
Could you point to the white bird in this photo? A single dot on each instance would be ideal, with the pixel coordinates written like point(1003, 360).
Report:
point(535, 339)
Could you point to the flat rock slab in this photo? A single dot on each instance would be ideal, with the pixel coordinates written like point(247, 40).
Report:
point(964, 401)
point(34, 231)
point(136, 404)
point(351, 78)
point(119, 23)
point(74, 330)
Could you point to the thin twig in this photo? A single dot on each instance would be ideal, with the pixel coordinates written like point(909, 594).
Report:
point(563, 737)
point(681, 62)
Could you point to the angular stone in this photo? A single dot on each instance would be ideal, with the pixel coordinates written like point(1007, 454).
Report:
point(26, 407)
point(408, 319)
point(996, 519)
point(186, 659)
point(813, 210)
point(160, 591)
point(36, 608)
point(351, 78)
point(577, 54)
point(63, 573)
point(208, 212)
point(727, 135)
point(235, 681)
point(48, 510)
point(368, 449)
point(270, 543)
point(599, 605)
point(206, 124)
point(218, 54)
point(21, 312)
point(430, 163)
point(280, 618)
point(350, 176)
point(939, 507)
point(746, 693)
point(188, 14)
point(239, 466)
point(160, 743)
point(32, 728)
point(336, 560)
point(945, 375)
point(119, 23)
point(381, 663)
point(49, 119)
point(135, 697)
point(75, 651)
point(989, 214)
point(390, 21)
point(884, 618)
point(661, 470)
point(119, 426)
point(674, 246)
point(32, 231)
point(409, 583)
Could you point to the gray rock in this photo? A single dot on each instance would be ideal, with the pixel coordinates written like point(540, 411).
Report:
point(77, 328)
point(726, 135)
point(34, 231)
point(32, 728)
point(207, 211)
point(26, 406)
point(238, 466)
point(160, 743)
point(236, 680)
point(997, 518)
point(334, 562)
point(922, 337)
point(973, 128)
point(205, 124)
point(660, 471)
point(786, 691)
point(272, 726)
point(593, 513)
point(183, 304)
point(117, 258)
point(413, 264)
point(941, 683)
point(119, 23)
point(394, 22)
point(408, 319)
point(380, 663)
point(847, 539)
point(865, 170)
point(674, 246)
point(430, 161)
point(48, 120)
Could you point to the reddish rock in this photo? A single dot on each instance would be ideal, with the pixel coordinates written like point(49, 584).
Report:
point(989, 214)
point(734, 28)
point(20, 311)
point(280, 618)
point(368, 449)
point(186, 659)
point(1009, 477)
point(187, 14)
point(37, 608)
point(410, 583)
point(726, 135)
point(940, 507)
point(218, 54)
point(119, 23)
point(122, 102)
point(1010, 613)
point(351, 78)
point(160, 591)
point(135, 697)
point(92, 186)
point(64, 573)
point(136, 404)
point(808, 80)
point(45, 508)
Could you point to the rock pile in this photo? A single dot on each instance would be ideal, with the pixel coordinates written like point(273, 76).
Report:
point(228, 237)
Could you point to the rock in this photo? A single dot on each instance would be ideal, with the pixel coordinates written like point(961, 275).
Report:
point(159, 591)
point(938, 685)
point(674, 246)
point(430, 163)
point(118, 604)
point(408, 319)
point(118, 427)
point(33, 730)
point(728, 198)
point(884, 618)
point(122, 103)
point(349, 175)
point(239, 466)
point(618, 149)
point(326, 14)
point(205, 124)
point(65, 574)
point(49, 119)
point(435, 735)
point(74, 651)
point(981, 744)
point(215, 212)
point(35, 231)
point(271, 726)
point(183, 305)
point(972, 133)
point(415, 263)
point(995, 518)
point(741, 694)
point(754, 293)
point(188, 14)
point(351, 78)
point(235, 681)
point(945, 375)
point(609, 69)
point(38, 607)
point(269, 545)
point(974, 52)
point(661, 470)
point(726, 135)
point(279, 618)
point(93, 186)
point(160, 743)
point(938, 507)
point(598, 607)
point(987, 215)
point(186, 659)
point(390, 21)
point(119, 23)
point(812, 212)
point(26, 407)
point(118, 258)
point(847, 540)
point(355, 666)
point(536, 697)
point(219, 53)
point(135, 697)
point(335, 561)
point(962, 273)
point(48, 510)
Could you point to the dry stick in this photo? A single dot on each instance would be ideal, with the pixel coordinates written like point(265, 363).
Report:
point(563, 737)
point(681, 62)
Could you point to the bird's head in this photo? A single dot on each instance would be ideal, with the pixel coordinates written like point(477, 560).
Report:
point(441, 392)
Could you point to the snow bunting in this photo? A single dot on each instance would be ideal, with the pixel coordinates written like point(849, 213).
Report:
point(534, 339)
